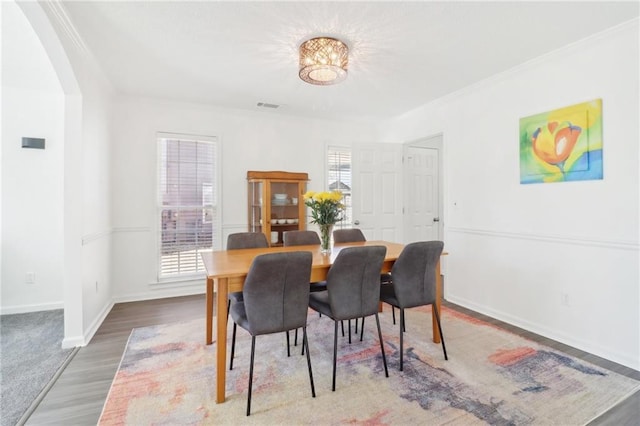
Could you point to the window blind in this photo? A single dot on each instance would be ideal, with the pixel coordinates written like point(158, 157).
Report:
point(339, 178)
point(187, 202)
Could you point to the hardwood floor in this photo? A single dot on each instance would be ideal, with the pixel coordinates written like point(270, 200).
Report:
point(79, 394)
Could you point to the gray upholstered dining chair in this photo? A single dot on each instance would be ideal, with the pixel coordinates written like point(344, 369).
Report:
point(353, 291)
point(414, 283)
point(352, 235)
point(304, 238)
point(243, 240)
point(300, 238)
point(276, 297)
point(355, 235)
point(246, 240)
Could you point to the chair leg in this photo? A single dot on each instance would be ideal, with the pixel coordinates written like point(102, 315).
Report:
point(253, 351)
point(349, 327)
point(401, 338)
point(233, 346)
point(384, 358)
point(444, 349)
point(288, 345)
point(342, 324)
point(305, 343)
point(393, 314)
point(403, 327)
point(362, 329)
point(356, 326)
point(295, 338)
point(335, 355)
point(228, 309)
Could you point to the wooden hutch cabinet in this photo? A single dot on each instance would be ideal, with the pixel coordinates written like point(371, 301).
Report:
point(276, 204)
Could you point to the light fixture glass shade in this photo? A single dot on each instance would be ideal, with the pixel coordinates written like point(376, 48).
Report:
point(323, 61)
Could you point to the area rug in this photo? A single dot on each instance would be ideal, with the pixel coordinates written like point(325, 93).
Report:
point(167, 376)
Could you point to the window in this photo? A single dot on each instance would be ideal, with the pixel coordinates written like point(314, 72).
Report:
point(339, 178)
point(187, 202)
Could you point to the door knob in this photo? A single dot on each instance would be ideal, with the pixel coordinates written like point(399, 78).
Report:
point(356, 222)
point(436, 219)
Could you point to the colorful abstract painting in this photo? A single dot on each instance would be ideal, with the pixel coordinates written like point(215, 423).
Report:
point(562, 145)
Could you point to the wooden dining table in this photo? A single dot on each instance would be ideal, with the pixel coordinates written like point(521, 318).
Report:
point(227, 269)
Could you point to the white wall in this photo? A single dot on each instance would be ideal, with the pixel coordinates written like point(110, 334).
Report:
point(517, 249)
point(79, 191)
point(88, 290)
point(249, 141)
point(95, 186)
point(514, 248)
point(32, 179)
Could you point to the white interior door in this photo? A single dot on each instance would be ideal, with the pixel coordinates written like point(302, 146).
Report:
point(377, 191)
point(422, 213)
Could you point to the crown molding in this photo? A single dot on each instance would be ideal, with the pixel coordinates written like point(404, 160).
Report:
point(60, 18)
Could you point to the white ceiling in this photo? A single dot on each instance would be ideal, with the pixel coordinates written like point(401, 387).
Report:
point(402, 54)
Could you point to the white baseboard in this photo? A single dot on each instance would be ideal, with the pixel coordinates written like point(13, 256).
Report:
point(23, 309)
point(587, 346)
point(184, 290)
point(97, 322)
point(75, 341)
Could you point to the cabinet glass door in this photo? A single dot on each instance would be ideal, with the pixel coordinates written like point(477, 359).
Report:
point(275, 203)
point(255, 207)
point(284, 209)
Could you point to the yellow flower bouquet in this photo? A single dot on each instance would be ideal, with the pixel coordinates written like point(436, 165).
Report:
point(326, 209)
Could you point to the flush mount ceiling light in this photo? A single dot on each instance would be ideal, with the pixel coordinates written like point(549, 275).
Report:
point(323, 61)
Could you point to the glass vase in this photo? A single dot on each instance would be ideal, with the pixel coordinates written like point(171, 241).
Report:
point(325, 238)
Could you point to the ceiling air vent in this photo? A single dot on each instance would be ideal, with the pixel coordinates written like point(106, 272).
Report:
point(267, 105)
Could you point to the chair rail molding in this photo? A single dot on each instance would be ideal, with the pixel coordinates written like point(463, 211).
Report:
point(95, 236)
point(562, 239)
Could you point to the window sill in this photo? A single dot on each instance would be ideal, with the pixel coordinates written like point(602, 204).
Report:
point(179, 281)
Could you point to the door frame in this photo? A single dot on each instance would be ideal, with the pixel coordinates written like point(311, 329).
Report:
point(434, 141)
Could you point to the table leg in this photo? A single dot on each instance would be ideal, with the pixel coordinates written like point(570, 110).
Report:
point(436, 332)
point(221, 338)
point(208, 338)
